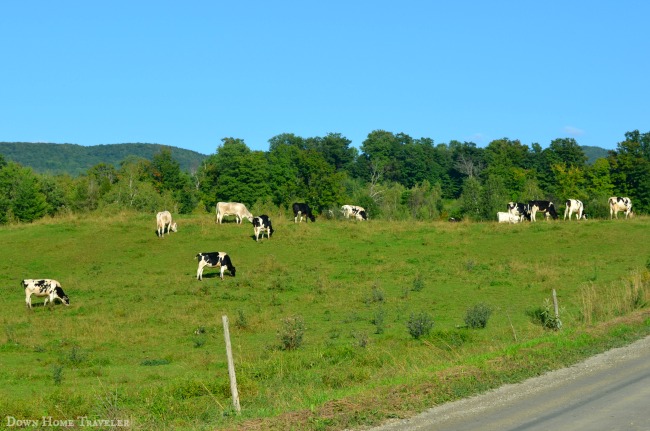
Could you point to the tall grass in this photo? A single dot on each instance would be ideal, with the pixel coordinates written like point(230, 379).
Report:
point(604, 302)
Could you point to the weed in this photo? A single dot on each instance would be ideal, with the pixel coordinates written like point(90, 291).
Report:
point(477, 316)
point(241, 322)
point(293, 331)
point(545, 316)
point(418, 283)
point(361, 339)
point(378, 321)
point(419, 325)
point(199, 342)
point(57, 374)
point(377, 295)
point(155, 362)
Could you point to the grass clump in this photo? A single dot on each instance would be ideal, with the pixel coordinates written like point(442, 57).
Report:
point(477, 316)
point(419, 325)
point(292, 333)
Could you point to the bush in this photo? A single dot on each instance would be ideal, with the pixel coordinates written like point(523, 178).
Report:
point(545, 316)
point(292, 333)
point(477, 316)
point(419, 325)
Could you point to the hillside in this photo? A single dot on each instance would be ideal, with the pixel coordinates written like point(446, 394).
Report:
point(77, 159)
point(594, 153)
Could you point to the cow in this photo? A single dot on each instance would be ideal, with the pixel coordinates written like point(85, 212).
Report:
point(617, 204)
point(353, 210)
point(574, 206)
point(164, 221)
point(49, 288)
point(519, 209)
point(503, 217)
point(233, 208)
point(214, 259)
point(546, 207)
point(260, 224)
point(302, 209)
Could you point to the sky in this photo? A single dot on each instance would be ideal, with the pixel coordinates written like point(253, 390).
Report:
point(191, 73)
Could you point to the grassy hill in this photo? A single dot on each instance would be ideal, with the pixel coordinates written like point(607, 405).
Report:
point(77, 159)
point(322, 332)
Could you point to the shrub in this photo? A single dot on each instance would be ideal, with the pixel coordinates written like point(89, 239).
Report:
point(477, 316)
point(419, 325)
point(293, 331)
point(545, 316)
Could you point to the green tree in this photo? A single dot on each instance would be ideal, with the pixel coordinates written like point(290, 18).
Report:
point(23, 199)
point(471, 199)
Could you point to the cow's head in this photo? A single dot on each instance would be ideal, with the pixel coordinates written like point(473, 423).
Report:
point(173, 227)
point(61, 295)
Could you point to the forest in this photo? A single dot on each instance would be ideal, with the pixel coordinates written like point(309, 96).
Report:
point(392, 175)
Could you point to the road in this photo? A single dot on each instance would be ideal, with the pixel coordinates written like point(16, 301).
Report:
point(608, 392)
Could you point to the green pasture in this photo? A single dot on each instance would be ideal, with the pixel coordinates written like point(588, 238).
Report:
point(142, 339)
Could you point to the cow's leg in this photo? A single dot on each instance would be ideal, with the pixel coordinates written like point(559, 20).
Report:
point(223, 268)
point(28, 300)
point(199, 271)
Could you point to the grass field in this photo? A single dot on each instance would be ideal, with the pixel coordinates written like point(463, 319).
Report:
point(319, 316)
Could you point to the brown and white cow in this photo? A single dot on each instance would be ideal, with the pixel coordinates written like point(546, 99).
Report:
point(50, 289)
point(617, 204)
point(574, 206)
point(354, 210)
point(214, 259)
point(237, 209)
point(164, 221)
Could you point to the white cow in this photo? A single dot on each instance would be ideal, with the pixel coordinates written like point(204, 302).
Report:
point(574, 206)
point(617, 204)
point(354, 210)
point(233, 208)
point(49, 288)
point(503, 217)
point(164, 221)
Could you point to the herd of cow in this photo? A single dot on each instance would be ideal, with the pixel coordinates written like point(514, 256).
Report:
point(52, 290)
point(518, 211)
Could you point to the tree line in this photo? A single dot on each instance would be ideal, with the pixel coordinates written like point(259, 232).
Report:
point(394, 176)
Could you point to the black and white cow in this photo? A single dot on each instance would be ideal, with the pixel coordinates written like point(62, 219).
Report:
point(237, 209)
point(302, 209)
point(546, 207)
point(617, 204)
point(214, 259)
point(50, 289)
point(260, 224)
point(354, 210)
point(574, 206)
point(519, 209)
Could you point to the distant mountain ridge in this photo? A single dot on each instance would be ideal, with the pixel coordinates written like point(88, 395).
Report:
point(76, 159)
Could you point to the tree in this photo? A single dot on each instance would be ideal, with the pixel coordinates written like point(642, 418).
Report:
point(23, 199)
point(471, 198)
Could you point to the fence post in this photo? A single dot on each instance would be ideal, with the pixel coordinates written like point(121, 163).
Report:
point(231, 366)
point(557, 312)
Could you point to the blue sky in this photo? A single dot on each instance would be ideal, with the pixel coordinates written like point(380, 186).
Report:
point(190, 73)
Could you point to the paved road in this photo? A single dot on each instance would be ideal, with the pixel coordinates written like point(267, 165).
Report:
point(608, 392)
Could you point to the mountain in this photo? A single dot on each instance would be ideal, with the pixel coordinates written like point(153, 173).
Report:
point(594, 153)
point(77, 159)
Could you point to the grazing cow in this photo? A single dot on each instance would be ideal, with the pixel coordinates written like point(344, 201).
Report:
point(233, 208)
point(51, 289)
point(617, 204)
point(574, 206)
point(519, 209)
point(164, 221)
point(214, 259)
point(260, 224)
point(302, 209)
point(546, 207)
point(353, 210)
point(503, 217)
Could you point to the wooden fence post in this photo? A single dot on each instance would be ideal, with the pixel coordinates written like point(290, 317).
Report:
point(231, 366)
